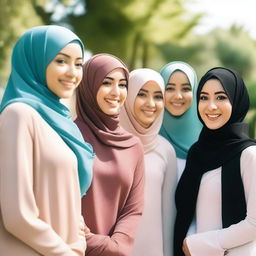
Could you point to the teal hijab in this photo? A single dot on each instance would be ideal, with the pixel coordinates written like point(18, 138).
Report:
point(181, 131)
point(27, 84)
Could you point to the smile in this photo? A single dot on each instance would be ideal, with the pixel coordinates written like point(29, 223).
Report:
point(67, 83)
point(213, 116)
point(149, 112)
point(177, 104)
point(112, 101)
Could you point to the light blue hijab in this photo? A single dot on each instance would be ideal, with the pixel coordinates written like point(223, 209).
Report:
point(181, 131)
point(27, 83)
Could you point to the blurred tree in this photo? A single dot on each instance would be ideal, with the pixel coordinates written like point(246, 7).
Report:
point(128, 29)
point(234, 49)
point(16, 17)
point(251, 117)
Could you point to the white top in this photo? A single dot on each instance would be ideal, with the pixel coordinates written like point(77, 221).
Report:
point(155, 233)
point(181, 166)
point(39, 188)
point(238, 239)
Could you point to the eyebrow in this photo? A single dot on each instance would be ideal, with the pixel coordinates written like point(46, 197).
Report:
point(216, 93)
point(66, 55)
point(185, 84)
point(111, 78)
point(144, 90)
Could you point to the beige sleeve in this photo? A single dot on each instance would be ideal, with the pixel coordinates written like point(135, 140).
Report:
point(19, 209)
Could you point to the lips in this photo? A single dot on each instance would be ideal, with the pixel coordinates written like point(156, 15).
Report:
point(149, 113)
point(67, 83)
point(177, 104)
point(112, 102)
point(213, 117)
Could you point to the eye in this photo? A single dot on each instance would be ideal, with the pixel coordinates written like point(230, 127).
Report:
point(141, 94)
point(123, 85)
point(169, 88)
point(106, 83)
point(203, 97)
point(79, 65)
point(159, 97)
point(222, 97)
point(60, 61)
point(186, 89)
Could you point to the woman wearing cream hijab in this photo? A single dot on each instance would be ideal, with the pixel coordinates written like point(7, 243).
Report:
point(142, 115)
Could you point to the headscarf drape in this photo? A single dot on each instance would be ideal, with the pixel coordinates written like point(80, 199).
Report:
point(27, 84)
point(148, 136)
point(96, 124)
point(216, 148)
point(181, 131)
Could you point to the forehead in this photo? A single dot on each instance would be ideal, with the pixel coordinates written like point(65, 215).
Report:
point(117, 73)
point(212, 85)
point(72, 49)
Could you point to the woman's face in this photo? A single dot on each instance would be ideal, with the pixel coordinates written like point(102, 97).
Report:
point(178, 94)
point(113, 92)
point(214, 106)
point(64, 72)
point(148, 104)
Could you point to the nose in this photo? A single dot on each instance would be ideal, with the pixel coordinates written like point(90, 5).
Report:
point(115, 90)
point(212, 105)
point(150, 102)
point(178, 94)
point(71, 70)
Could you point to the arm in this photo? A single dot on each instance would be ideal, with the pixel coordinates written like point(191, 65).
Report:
point(18, 205)
point(168, 204)
point(121, 241)
point(219, 241)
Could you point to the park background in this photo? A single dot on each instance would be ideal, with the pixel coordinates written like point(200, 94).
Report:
point(147, 33)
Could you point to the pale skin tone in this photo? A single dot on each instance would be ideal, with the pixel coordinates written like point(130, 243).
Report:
point(178, 94)
point(215, 110)
point(148, 104)
point(113, 92)
point(64, 72)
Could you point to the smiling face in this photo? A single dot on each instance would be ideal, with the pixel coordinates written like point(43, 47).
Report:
point(214, 106)
point(178, 94)
point(64, 72)
point(112, 92)
point(148, 104)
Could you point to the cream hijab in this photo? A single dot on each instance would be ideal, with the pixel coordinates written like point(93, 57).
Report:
point(148, 136)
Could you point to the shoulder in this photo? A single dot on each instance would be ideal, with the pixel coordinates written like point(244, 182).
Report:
point(19, 115)
point(165, 145)
point(249, 153)
point(19, 109)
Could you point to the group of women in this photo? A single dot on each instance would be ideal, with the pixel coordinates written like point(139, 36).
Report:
point(154, 164)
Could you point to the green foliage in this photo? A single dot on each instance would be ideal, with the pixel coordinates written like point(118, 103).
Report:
point(16, 17)
point(129, 29)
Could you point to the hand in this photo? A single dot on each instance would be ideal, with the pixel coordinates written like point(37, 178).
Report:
point(185, 248)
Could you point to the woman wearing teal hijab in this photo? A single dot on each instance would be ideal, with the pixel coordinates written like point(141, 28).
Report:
point(181, 126)
point(45, 164)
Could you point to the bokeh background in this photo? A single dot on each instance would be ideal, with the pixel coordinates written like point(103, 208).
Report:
point(147, 33)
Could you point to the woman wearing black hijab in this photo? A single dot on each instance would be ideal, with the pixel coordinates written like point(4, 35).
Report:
point(218, 186)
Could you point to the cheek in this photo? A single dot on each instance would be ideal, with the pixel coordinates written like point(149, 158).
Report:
point(123, 94)
point(189, 98)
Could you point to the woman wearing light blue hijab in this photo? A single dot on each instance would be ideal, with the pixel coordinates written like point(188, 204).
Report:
point(45, 164)
point(181, 126)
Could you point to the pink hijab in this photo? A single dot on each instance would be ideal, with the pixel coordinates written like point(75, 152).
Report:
point(148, 136)
point(95, 124)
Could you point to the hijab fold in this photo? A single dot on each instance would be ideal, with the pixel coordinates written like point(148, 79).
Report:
point(27, 84)
point(148, 136)
point(181, 131)
point(91, 119)
point(216, 148)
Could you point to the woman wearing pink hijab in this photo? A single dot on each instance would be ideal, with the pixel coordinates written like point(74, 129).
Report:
point(142, 115)
point(112, 207)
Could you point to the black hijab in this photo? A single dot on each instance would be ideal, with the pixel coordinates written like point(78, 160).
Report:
point(215, 148)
